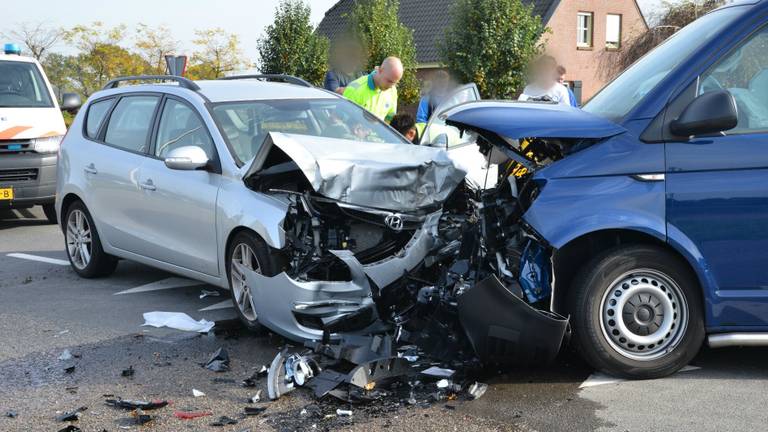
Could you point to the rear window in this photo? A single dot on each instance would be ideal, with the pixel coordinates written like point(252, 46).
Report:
point(129, 124)
point(22, 86)
point(96, 113)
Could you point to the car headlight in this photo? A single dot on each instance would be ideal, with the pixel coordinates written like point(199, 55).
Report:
point(47, 144)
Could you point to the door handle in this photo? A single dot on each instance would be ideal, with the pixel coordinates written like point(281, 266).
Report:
point(148, 185)
point(90, 169)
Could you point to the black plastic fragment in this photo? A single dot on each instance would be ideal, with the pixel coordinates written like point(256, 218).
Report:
point(502, 328)
point(252, 411)
point(71, 415)
point(224, 421)
point(219, 361)
point(136, 404)
point(140, 417)
point(128, 373)
point(70, 428)
point(11, 414)
point(251, 380)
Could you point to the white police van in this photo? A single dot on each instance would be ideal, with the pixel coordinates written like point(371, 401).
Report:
point(31, 128)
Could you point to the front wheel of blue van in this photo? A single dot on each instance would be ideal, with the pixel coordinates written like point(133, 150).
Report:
point(636, 312)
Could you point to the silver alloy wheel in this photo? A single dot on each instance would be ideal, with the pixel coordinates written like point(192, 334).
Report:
point(643, 314)
point(243, 256)
point(79, 246)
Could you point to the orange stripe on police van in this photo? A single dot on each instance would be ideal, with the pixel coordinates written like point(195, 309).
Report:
point(13, 131)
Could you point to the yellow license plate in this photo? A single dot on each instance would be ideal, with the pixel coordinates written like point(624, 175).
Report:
point(6, 193)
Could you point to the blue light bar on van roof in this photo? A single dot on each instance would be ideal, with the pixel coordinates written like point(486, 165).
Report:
point(12, 48)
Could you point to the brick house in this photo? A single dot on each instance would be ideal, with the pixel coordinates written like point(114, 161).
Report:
point(581, 32)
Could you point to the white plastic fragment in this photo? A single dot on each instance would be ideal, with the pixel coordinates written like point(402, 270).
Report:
point(208, 293)
point(303, 411)
point(343, 413)
point(256, 397)
point(177, 320)
point(438, 372)
point(477, 390)
point(443, 383)
point(197, 393)
point(66, 355)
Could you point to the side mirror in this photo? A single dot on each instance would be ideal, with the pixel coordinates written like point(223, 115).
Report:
point(70, 102)
point(440, 141)
point(709, 113)
point(187, 158)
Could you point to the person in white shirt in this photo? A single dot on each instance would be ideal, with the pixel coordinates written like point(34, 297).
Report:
point(544, 85)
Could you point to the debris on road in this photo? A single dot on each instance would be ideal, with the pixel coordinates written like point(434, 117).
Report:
point(70, 428)
point(438, 372)
point(188, 415)
point(343, 413)
point(69, 369)
point(140, 417)
point(219, 361)
point(178, 321)
point(251, 381)
point(207, 293)
point(136, 404)
point(11, 414)
point(65, 355)
point(128, 373)
point(477, 390)
point(224, 421)
point(252, 411)
point(71, 415)
point(197, 393)
point(255, 398)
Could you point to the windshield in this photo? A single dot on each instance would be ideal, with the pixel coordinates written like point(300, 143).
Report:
point(246, 124)
point(22, 86)
point(626, 91)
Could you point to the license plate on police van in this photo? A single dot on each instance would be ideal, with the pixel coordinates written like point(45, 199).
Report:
point(6, 194)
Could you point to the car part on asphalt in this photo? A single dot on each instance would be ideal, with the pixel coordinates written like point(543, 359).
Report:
point(188, 415)
point(128, 373)
point(70, 428)
point(136, 404)
point(71, 415)
point(178, 321)
point(140, 418)
point(219, 361)
point(224, 421)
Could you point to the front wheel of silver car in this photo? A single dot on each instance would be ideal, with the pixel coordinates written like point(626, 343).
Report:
point(636, 312)
point(248, 252)
point(83, 245)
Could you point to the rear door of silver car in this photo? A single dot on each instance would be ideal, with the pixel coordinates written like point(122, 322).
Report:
point(178, 208)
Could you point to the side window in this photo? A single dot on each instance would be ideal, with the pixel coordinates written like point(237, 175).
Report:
point(96, 113)
point(180, 126)
point(130, 123)
point(744, 73)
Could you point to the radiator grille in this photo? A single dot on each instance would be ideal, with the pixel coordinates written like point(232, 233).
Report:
point(18, 175)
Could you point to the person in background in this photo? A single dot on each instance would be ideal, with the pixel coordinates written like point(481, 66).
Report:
point(441, 86)
point(377, 91)
point(406, 125)
point(561, 80)
point(345, 66)
point(543, 85)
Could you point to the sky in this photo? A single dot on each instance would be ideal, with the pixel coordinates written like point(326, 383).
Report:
point(247, 18)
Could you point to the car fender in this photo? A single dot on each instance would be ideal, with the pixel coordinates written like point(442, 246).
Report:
point(568, 208)
point(241, 207)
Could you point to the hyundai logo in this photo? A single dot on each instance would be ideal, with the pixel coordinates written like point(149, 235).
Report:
point(394, 222)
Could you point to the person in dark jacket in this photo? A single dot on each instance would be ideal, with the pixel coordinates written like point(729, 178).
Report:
point(345, 66)
point(441, 87)
point(406, 125)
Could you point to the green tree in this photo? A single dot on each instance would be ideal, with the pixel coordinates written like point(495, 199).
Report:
point(376, 24)
point(491, 43)
point(290, 46)
point(217, 52)
point(101, 57)
point(60, 69)
point(153, 44)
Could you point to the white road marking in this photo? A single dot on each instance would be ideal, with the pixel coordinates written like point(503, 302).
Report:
point(221, 305)
point(598, 378)
point(164, 284)
point(39, 258)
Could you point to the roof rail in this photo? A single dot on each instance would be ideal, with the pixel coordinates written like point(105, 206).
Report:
point(183, 82)
point(290, 79)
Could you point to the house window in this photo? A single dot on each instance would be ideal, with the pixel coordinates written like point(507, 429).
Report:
point(613, 31)
point(584, 30)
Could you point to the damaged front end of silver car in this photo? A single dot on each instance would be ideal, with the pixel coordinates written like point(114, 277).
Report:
point(393, 265)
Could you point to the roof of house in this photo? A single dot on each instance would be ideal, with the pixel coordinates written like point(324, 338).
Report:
point(428, 21)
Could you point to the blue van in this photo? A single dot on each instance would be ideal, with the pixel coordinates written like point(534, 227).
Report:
point(653, 199)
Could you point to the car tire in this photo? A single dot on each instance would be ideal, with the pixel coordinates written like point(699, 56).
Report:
point(50, 213)
point(259, 258)
point(636, 312)
point(83, 245)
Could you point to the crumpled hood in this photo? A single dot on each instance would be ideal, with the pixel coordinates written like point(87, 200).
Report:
point(528, 119)
point(398, 177)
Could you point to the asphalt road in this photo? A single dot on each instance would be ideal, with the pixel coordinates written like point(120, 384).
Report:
point(45, 308)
